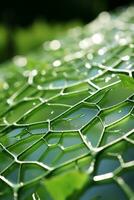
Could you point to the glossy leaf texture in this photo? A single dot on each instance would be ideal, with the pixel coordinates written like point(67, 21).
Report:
point(67, 116)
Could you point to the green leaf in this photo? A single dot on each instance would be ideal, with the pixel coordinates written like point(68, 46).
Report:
point(67, 116)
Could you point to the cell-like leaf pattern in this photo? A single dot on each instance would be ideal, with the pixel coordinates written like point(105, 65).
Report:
point(69, 106)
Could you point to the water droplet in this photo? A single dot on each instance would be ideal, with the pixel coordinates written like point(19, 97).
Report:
point(121, 38)
point(123, 41)
point(97, 38)
point(20, 61)
point(88, 66)
point(107, 79)
point(52, 112)
point(34, 103)
point(76, 55)
point(34, 72)
point(102, 51)
point(39, 87)
point(79, 54)
point(55, 45)
point(84, 44)
point(113, 75)
point(125, 58)
point(56, 63)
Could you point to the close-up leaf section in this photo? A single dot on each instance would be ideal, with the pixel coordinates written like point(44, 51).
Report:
point(67, 116)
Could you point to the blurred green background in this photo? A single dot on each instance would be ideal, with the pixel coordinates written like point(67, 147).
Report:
point(24, 25)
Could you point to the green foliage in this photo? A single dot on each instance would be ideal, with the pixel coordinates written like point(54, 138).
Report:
point(30, 38)
point(67, 116)
point(62, 184)
point(20, 40)
point(3, 42)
